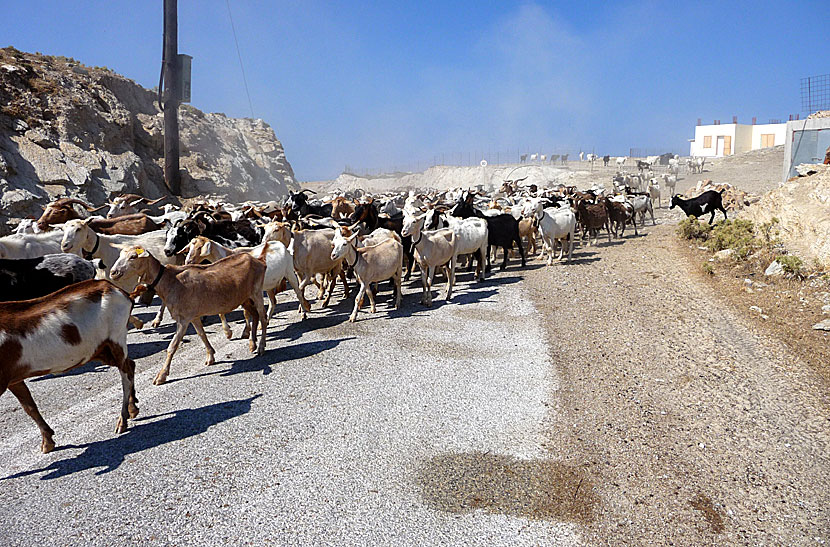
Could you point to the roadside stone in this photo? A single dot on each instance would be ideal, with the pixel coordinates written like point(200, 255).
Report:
point(822, 325)
point(774, 269)
point(725, 254)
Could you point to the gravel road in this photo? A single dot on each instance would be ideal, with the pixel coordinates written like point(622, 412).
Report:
point(397, 429)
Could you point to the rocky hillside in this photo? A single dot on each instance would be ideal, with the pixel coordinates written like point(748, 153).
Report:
point(67, 129)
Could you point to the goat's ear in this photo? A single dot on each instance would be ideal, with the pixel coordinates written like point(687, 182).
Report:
point(206, 248)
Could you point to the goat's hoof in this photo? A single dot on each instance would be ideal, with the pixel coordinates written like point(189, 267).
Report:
point(133, 410)
point(252, 347)
point(260, 350)
point(47, 446)
point(352, 318)
point(210, 361)
point(121, 426)
point(159, 379)
point(229, 334)
point(155, 324)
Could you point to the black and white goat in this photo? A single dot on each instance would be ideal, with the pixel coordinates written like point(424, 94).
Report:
point(709, 201)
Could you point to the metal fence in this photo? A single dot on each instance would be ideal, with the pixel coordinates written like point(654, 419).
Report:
point(815, 93)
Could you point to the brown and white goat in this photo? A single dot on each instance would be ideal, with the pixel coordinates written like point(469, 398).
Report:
point(63, 330)
point(190, 292)
point(62, 210)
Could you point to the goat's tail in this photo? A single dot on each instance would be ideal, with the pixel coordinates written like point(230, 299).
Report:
point(264, 252)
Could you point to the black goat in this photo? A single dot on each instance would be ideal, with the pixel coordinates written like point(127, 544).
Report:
point(27, 278)
point(709, 201)
point(230, 233)
point(502, 230)
point(301, 206)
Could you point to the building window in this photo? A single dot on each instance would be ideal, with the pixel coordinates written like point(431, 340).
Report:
point(707, 141)
point(767, 140)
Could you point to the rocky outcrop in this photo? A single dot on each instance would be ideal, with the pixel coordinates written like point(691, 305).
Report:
point(801, 206)
point(71, 130)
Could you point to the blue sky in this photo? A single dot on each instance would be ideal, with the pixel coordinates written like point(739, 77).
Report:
point(397, 84)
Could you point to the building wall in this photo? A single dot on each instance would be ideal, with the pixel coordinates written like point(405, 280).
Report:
point(805, 142)
point(744, 137)
point(777, 129)
point(701, 131)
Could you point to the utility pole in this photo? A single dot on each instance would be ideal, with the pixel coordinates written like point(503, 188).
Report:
point(170, 73)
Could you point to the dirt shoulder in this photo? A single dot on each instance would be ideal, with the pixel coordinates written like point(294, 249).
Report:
point(692, 425)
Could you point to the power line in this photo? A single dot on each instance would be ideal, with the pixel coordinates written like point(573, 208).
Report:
point(239, 55)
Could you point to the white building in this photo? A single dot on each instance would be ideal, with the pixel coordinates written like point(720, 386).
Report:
point(725, 139)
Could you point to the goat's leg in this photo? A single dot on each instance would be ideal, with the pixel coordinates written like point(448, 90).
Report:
point(371, 294)
point(21, 391)
point(331, 290)
point(488, 267)
point(128, 409)
point(132, 408)
point(225, 327)
point(259, 309)
point(398, 291)
point(272, 303)
point(345, 283)
point(291, 276)
point(426, 297)
point(135, 322)
point(247, 330)
point(358, 302)
point(181, 328)
point(450, 277)
point(303, 283)
point(159, 316)
point(518, 240)
point(200, 330)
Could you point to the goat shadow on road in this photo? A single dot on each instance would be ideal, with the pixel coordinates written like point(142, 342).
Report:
point(110, 453)
point(263, 363)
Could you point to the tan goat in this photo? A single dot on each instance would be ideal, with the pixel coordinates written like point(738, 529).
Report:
point(372, 264)
point(279, 267)
point(193, 291)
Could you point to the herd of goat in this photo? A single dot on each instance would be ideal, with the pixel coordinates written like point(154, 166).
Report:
point(69, 280)
point(693, 165)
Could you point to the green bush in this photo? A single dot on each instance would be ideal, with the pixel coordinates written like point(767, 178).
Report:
point(792, 264)
point(737, 235)
point(692, 228)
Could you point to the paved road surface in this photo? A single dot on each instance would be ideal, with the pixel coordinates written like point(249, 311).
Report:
point(341, 433)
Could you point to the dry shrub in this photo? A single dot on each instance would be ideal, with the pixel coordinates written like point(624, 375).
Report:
point(692, 228)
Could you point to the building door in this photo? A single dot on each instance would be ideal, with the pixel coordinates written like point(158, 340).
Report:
point(719, 147)
point(727, 145)
point(767, 140)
